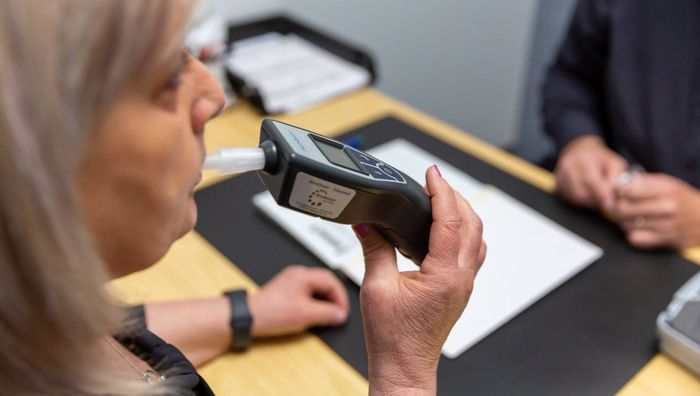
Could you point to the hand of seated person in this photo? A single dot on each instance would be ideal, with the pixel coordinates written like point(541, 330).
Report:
point(586, 173)
point(658, 210)
point(408, 315)
point(295, 299)
point(298, 298)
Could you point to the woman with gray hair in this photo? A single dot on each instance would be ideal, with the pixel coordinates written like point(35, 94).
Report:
point(102, 118)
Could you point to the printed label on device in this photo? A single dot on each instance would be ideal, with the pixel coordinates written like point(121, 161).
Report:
point(319, 196)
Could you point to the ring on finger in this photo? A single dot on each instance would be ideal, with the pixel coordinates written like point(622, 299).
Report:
point(640, 222)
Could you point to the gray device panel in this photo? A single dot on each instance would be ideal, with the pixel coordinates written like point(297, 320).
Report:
point(322, 177)
point(317, 148)
point(678, 326)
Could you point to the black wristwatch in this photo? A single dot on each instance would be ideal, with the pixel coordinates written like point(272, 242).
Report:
point(241, 320)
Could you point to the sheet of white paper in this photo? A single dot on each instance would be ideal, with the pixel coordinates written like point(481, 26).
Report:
point(291, 73)
point(529, 255)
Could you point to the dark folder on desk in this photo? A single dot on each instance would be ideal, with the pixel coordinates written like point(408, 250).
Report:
point(590, 336)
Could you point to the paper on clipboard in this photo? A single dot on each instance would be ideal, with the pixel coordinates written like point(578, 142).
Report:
point(291, 73)
point(529, 255)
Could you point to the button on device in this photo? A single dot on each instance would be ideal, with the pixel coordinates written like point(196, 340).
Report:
point(364, 158)
point(391, 172)
point(377, 173)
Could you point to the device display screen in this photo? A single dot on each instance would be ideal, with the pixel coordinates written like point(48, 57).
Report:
point(336, 155)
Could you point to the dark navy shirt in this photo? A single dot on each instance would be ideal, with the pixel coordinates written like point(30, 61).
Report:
point(629, 72)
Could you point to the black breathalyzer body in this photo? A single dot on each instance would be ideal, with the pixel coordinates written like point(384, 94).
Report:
point(325, 178)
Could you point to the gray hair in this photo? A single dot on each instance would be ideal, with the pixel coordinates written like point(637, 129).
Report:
point(62, 63)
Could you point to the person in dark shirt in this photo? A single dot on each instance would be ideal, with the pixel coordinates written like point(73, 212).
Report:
point(102, 116)
point(624, 93)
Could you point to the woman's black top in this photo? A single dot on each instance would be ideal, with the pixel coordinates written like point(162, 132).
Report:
point(171, 365)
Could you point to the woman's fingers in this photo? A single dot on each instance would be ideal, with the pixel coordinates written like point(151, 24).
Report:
point(483, 249)
point(473, 249)
point(380, 256)
point(446, 230)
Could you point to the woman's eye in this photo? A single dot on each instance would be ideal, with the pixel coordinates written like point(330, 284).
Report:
point(167, 93)
point(174, 82)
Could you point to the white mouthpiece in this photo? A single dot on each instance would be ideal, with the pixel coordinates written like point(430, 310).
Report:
point(235, 160)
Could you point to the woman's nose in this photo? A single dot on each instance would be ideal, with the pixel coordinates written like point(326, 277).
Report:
point(210, 99)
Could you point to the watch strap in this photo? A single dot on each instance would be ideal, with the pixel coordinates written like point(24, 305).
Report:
point(241, 320)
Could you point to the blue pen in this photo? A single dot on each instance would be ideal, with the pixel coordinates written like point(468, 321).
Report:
point(355, 141)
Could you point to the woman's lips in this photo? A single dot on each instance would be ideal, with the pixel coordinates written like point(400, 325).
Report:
point(198, 180)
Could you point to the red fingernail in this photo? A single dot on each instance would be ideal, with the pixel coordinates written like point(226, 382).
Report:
point(361, 229)
point(437, 170)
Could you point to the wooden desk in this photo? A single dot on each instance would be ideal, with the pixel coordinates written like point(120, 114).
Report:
point(303, 364)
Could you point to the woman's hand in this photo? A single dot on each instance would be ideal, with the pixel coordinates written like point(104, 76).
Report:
point(408, 315)
point(298, 298)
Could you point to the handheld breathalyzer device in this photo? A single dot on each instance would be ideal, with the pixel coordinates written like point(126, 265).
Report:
point(322, 177)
